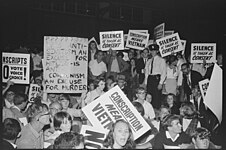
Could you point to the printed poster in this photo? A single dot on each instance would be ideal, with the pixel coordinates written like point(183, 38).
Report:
point(159, 31)
point(137, 40)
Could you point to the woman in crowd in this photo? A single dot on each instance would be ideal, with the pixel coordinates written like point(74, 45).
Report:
point(92, 49)
point(171, 102)
point(134, 83)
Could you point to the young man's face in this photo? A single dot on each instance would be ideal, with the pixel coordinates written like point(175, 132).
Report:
point(10, 96)
point(141, 95)
point(201, 143)
point(185, 70)
point(176, 127)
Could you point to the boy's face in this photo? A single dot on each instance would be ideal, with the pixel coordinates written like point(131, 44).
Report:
point(201, 143)
point(121, 83)
point(141, 95)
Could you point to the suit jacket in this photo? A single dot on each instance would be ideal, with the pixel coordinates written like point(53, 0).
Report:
point(6, 145)
point(140, 64)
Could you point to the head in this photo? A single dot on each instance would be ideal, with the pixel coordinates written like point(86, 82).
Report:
point(92, 45)
point(170, 99)
point(62, 121)
point(196, 91)
point(133, 62)
point(131, 54)
point(20, 100)
point(109, 81)
point(164, 111)
point(145, 53)
point(172, 123)
point(179, 55)
point(141, 93)
point(114, 53)
point(69, 140)
point(172, 60)
point(154, 48)
point(201, 138)
point(139, 107)
point(121, 80)
point(53, 97)
point(99, 83)
point(220, 59)
point(99, 56)
point(148, 97)
point(11, 129)
point(9, 95)
point(65, 101)
point(54, 108)
point(186, 68)
point(120, 54)
point(188, 110)
point(91, 86)
point(120, 136)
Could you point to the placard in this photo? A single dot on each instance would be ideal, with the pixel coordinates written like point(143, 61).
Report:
point(159, 31)
point(112, 106)
point(34, 90)
point(203, 86)
point(111, 39)
point(170, 44)
point(203, 51)
point(167, 33)
point(140, 31)
point(183, 42)
point(65, 64)
point(16, 66)
point(137, 40)
point(94, 137)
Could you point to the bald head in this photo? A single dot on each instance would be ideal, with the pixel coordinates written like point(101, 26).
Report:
point(55, 107)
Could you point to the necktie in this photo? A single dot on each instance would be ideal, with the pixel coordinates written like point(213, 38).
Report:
point(152, 62)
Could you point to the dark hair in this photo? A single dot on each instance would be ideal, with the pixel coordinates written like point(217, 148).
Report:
point(171, 59)
point(189, 110)
point(59, 118)
point(139, 107)
point(68, 140)
point(186, 64)
point(170, 94)
point(201, 132)
point(20, 98)
point(168, 119)
point(65, 96)
point(140, 89)
point(11, 129)
point(120, 54)
point(97, 81)
point(91, 43)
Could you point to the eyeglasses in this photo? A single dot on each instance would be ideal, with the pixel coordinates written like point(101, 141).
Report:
point(141, 92)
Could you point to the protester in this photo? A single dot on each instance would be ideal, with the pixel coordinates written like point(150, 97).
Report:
point(10, 132)
point(8, 93)
point(92, 49)
point(171, 102)
point(134, 83)
point(120, 136)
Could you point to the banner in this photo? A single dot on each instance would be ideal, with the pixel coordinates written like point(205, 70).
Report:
point(111, 39)
point(112, 106)
point(159, 31)
point(65, 64)
point(93, 39)
point(16, 66)
point(167, 33)
point(169, 44)
point(140, 31)
point(203, 51)
point(34, 90)
point(94, 137)
point(137, 40)
point(214, 97)
point(203, 86)
point(183, 42)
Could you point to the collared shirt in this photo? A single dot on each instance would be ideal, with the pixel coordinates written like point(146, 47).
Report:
point(115, 66)
point(8, 104)
point(186, 123)
point(169, 137)
point(97, 68)
point(171, 74)
point(159, 67)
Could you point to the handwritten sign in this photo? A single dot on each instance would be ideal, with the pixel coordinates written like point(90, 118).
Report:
point(169, 44)
point(34, 90)
point(111, 39)
point(159, 31)
point(94, 137)
point(167, 33)
point(141, 31)
point(65, 64)
point(112, 106)
point(16, 66)
point(137, 40)
point(203, 51)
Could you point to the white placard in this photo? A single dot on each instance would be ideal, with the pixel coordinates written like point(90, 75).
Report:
point(167, 33)
point(112, 106)
point(170, 44)
point(34, 90)
point(203, 51)
point(16, 66)
point(203, 86)
point(65, 64)
point(137, 40)
point(183, 42)
point(111, 39)
point(159, 31)
point(141, 31)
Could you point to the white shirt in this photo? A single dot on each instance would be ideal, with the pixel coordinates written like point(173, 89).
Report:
point(114, 66)
point(186, 123)
point(97, 68)
point(159, 67)
point(169, 137)
point(170, 74)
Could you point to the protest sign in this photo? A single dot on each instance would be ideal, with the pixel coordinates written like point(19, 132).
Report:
point(203, 86)
point(111, 39)
point(170, 44)
point(112, 106)
point(167, 33)
point(203, 51)
point(141, 31)
point(94, 136)
point(34, 90)
point(159, 31)
point(213, 98)
point(16, 66)
point(183, 42)
point(137, 40)
point(93, 39)
point(65, 64)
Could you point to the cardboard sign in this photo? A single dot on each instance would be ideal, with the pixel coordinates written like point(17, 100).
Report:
point(214, 98)
point(111, 39)
point(167, 33)
point(141, 31)
point(16, 66)
point(170, 44)
point(203, 51)
point(93, 39)
point(34, 90)
point(65, 64)
point(203, 86)
point(94, 137)
point(159, 31)
point(137, 40)
point(183, 42)
point(112, 106)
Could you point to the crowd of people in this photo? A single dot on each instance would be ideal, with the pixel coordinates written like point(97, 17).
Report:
point(164, 91)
